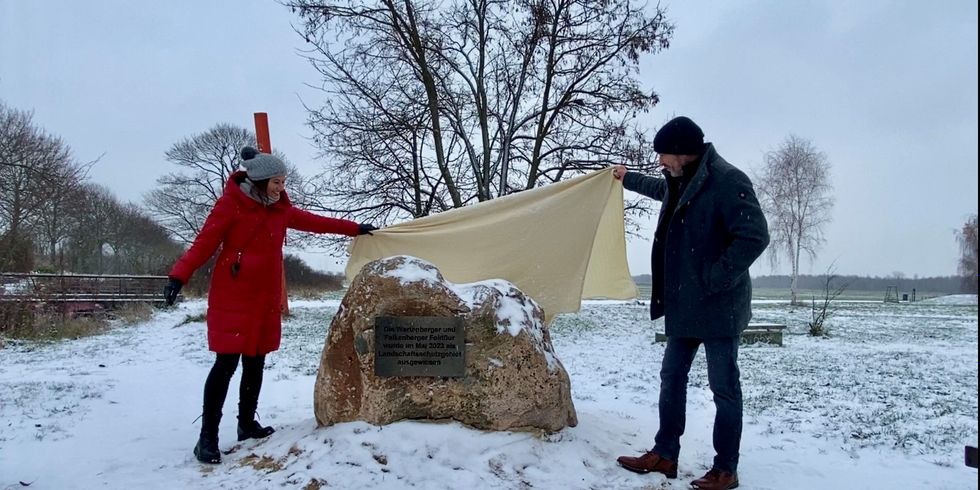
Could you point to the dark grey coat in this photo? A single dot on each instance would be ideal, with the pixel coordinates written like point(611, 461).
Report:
point(717, 231)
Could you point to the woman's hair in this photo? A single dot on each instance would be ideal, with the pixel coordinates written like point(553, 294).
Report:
point(261, 185)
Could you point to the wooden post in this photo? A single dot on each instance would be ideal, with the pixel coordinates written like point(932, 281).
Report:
point(262, 132)
point(265, 146)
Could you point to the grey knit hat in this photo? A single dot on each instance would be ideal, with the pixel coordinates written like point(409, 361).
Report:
point(261, 166)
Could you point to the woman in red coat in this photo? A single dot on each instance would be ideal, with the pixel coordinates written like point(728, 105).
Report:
point(248, 224)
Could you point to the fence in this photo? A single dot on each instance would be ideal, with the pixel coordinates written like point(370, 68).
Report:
point(74, 293)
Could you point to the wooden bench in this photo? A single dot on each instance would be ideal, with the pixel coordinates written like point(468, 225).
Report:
point(766, 333)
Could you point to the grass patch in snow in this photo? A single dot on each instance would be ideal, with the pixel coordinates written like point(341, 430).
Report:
point(304, 333)
point(195, 318)
point(135, 312)
point(52, 327)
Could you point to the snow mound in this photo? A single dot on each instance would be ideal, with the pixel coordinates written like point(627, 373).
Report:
point(413, 269)
point(952, 299)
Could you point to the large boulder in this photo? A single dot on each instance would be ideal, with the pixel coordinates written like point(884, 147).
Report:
point(512, 381)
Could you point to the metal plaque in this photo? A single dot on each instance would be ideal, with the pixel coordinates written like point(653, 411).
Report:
point(419, 346)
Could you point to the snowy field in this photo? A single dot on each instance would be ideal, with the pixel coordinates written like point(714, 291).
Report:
point(888, 401)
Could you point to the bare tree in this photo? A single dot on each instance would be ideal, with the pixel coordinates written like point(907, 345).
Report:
point(46, 201)
point(36, 170)
point(967, 267)
point(435, 105)
point(795, 192)
point(139, 244)
point(183, 199)
point(57, 218)
point(109, 237)
point(96, 214)
point(819, 312)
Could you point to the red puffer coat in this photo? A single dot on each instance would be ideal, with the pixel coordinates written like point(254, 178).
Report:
point(244, 309)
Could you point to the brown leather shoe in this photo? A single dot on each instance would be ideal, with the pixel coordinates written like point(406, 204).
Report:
point(650, 461)
point(716, 480)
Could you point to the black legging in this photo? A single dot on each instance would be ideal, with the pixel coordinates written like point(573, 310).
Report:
point(216, 386)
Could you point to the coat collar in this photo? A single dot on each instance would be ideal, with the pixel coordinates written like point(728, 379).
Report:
point(697, 182)
point(233, 190)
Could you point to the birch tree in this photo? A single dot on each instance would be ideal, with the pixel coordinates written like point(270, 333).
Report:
point(796, 194)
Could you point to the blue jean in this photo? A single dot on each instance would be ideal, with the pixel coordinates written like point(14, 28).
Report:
point(723, 378)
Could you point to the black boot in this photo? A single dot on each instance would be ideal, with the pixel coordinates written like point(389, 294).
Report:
point(206, 449)
point(215, 390)
point(252, 430)
point(248, 399)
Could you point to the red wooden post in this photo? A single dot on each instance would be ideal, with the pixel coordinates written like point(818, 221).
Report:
point(262, 132)
point(265, 146)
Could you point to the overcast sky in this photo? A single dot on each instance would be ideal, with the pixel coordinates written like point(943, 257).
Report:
point(888, 90)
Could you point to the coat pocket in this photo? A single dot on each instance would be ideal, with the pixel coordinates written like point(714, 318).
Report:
point(716, 279)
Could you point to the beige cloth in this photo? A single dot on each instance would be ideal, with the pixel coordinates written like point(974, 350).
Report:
point(557, 243)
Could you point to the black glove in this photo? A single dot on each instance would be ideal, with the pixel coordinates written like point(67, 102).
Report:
point(171, 290)
point(366, 229)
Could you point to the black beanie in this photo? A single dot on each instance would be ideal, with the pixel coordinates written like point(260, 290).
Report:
point(680, 136)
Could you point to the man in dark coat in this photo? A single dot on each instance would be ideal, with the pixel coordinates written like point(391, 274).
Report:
point(710, 230)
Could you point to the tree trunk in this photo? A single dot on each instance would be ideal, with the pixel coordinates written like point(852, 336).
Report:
point(482, 112)
point(432, 96)
point(15, 214)
point(794, 285)
point(541, 132)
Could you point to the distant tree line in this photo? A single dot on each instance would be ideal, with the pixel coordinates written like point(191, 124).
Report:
point(298, 274)
point(52, 218)
point(938, 284)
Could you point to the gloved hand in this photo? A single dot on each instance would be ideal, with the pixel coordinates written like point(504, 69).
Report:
point(366, 229)
point(171, 290)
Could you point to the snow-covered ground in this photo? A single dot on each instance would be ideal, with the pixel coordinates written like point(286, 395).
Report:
point(888, 401)
point(953, 299)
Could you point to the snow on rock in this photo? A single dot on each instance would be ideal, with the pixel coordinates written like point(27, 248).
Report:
point(515, 312)
point(410, 269)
